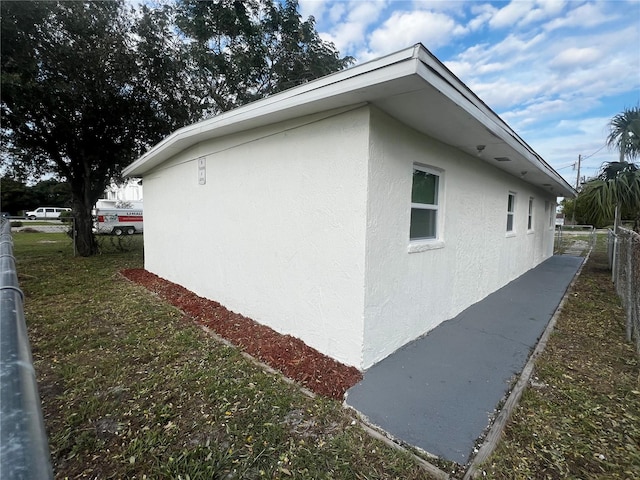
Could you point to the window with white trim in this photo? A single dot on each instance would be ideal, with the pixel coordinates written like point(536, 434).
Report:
point(530, 216)
point(511, 212)
point(425, 193)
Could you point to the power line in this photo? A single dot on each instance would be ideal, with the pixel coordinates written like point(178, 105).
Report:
point(572, 165)
point(591, 155)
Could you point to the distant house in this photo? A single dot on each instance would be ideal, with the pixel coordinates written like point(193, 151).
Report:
point(127, 194)
point(355, 212)
point(128, 191)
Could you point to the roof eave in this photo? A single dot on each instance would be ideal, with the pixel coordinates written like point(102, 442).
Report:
point(265, 109)
point(412, 72)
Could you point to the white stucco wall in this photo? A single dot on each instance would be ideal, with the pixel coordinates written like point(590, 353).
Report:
point(277, 233)
point(304, 226)
point(408, 294)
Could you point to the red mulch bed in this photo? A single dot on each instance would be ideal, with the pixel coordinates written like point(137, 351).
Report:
point(290, 355)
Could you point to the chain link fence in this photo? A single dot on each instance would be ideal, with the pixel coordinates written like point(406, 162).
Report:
point(24, 448)
point(623, 249)
point(42, 226)
point(66, 226)
point(106, 242)
point(574, 239)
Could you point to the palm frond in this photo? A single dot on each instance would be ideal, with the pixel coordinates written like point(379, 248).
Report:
point(624, 133)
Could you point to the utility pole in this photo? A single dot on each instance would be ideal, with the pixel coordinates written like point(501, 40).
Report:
point(573, 215)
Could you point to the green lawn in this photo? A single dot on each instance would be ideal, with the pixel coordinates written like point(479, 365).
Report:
point(133, 389)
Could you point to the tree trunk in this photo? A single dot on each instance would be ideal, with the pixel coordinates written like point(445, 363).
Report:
point(86, 244)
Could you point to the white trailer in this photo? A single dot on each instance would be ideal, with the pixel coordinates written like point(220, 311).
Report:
point(118, 221)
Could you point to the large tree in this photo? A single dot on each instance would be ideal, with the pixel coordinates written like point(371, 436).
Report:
point(616, 188)
point(86, 87)
point(246, 50)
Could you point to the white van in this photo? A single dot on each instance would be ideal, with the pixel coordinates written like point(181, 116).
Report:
point(46, 212)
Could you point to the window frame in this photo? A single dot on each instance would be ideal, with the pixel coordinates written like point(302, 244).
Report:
point(427, 243)
point(530, 223)
point(511, 213)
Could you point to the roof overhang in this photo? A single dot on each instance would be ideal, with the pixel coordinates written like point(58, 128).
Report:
point(412, 86)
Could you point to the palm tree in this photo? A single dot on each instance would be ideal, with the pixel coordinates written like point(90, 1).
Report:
point(624, 133)
point(616, 188)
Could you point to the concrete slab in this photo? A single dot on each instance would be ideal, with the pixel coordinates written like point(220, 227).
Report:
point(440, 391)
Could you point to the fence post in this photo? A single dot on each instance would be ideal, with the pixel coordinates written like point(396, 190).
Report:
point(24, 449)
point(629, 293)
point(635, 289)
point(626, 277)
point(614, 255)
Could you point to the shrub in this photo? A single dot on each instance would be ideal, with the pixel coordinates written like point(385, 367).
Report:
point(66, 216)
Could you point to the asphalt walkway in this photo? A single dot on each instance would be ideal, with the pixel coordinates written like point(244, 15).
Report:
point(440, 392)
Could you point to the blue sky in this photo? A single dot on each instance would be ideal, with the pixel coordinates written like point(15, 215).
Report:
point(555, 70)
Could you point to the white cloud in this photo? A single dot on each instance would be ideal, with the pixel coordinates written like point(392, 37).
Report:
point(517, 45)
point(578, 136)
point(404, 29)
point(337, 11)
point(504, 93)
point(530, 115)
point(482, 14)
point(315, 8)
point(520, 13)
point(542, 11)
point(555, 70)
point(365, 12)
point(468, 70)
point(576, 58)
point(511, 51)
point(346, 35)
point(510, 15)
point(559, 75)
point(460, 69)
point(456, 8)
point(350, 22)
point(584, 16)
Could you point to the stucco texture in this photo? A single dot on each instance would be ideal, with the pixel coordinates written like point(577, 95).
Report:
point(277, 231)
point(304, 226)
point(410, 291)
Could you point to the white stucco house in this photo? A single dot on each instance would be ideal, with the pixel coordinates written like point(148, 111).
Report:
point(127, 193)
point(130, 190)
point(355, 212)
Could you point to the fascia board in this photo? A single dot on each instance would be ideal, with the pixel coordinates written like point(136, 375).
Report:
point(281, 106)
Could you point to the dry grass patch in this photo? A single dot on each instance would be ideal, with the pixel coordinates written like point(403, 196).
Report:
point(132, 388)
point(580, 417)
